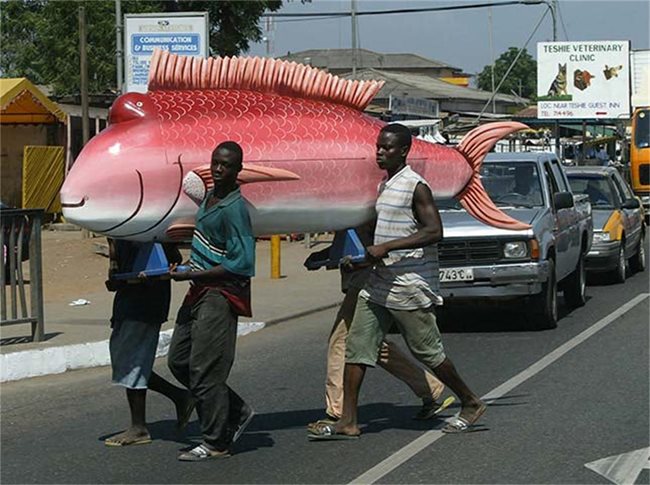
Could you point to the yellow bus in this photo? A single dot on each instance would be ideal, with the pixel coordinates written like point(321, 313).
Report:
point(640, 155)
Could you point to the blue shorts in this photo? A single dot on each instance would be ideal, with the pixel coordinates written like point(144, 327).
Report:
point(133, 347)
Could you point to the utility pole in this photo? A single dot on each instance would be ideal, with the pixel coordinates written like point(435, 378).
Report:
point(353, 16)
point(494, 108)
point(553, 7)
point(83, 69)
point(119, 53)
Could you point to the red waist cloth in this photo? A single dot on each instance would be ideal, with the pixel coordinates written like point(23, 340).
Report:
point(238, 296)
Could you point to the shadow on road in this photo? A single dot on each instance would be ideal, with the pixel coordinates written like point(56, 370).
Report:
point(492, 317)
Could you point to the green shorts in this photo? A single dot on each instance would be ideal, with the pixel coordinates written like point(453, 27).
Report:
point(372, 322)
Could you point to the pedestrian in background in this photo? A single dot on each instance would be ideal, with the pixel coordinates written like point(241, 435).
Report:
point(140, 307)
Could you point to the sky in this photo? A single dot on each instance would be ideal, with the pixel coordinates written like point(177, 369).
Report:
point(459, 38)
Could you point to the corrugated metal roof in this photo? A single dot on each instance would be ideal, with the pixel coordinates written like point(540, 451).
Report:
point(425, 87)
point(342, 59)
point(22, 102)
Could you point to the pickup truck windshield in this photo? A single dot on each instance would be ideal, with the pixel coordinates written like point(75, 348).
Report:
point(597, 187)
point(509, 184)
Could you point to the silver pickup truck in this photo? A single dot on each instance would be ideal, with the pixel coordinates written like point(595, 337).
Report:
point(479, 262)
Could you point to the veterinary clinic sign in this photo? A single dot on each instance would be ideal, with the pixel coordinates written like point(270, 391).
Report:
point(183, 33)
point(583, 80)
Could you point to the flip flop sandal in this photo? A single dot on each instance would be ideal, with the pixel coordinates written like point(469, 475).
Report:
point(327, 432)
point(202, 453)
point(429, 411)
point(138, 441)
point(457, 425)
point(320, 422)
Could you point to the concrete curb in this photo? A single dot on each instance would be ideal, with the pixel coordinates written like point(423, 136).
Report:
point(56, 360)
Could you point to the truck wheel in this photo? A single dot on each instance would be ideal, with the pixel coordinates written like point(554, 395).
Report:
point(545, 303)
point(575, 285)
point(619, 273)
point(638, 261)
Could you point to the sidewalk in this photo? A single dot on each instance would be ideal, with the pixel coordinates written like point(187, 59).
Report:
point(77, 336)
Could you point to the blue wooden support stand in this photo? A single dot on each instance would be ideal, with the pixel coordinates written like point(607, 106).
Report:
point(150, 260)
point(345, 244)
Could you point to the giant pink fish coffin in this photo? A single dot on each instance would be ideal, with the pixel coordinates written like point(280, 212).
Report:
point(309, 152)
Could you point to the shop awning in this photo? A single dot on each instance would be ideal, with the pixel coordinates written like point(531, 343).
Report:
point(22, 102)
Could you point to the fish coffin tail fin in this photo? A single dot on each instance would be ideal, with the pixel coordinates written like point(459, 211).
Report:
point(474, 146)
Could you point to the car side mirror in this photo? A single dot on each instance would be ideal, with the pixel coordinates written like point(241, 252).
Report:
point(563, 200)
point(631, 204)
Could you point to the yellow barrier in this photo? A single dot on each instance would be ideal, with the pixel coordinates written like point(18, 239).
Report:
point(275, 257)
point(42, 177)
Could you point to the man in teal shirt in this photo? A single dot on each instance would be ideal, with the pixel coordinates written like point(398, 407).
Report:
point(202, 349)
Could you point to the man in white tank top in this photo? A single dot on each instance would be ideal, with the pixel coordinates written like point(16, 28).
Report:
point(402, 289)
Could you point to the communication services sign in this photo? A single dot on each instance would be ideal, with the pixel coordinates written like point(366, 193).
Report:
point(583, 80)
point(184, 33)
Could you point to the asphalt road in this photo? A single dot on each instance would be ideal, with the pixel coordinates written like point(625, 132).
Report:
point(586, 401)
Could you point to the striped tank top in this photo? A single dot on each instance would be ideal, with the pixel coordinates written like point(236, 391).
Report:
point(406, 279)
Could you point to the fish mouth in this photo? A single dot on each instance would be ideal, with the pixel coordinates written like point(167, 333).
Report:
point(81, 203)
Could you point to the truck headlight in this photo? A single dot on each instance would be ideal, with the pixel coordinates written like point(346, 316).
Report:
point(600, 237)
point(515, 249)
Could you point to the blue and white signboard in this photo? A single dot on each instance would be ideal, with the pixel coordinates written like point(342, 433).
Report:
point(183, 33)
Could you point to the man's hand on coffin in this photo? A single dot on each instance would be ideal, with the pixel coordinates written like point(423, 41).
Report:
point(178, 275)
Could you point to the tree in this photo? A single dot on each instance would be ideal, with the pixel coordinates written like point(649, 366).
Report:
point(521, 80)
point(40, 38)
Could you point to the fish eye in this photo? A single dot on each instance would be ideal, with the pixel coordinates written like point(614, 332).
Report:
point(131, 106)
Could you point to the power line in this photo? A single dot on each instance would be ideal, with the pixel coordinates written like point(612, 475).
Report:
point(405, 10)
point(512, 65)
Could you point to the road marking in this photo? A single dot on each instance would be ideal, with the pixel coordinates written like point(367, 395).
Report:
point(406, 453)
point(624, 468)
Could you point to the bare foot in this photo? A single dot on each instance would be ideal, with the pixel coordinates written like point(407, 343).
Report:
point(471, 412)
point(132, 436)
point(184, 411)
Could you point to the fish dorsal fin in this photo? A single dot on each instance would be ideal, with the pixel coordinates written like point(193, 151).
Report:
point(171, 71)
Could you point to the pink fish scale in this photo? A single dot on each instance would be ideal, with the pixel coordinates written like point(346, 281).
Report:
point(300, 135)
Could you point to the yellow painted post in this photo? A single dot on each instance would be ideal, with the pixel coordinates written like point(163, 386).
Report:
point(275, 257)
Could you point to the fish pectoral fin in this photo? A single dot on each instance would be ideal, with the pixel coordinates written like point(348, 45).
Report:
point(256, 173)
point(249, 174)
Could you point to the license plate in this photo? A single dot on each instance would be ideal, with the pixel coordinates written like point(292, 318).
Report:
point(456, 274)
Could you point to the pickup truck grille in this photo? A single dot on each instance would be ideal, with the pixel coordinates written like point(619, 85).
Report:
point(452, 253)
